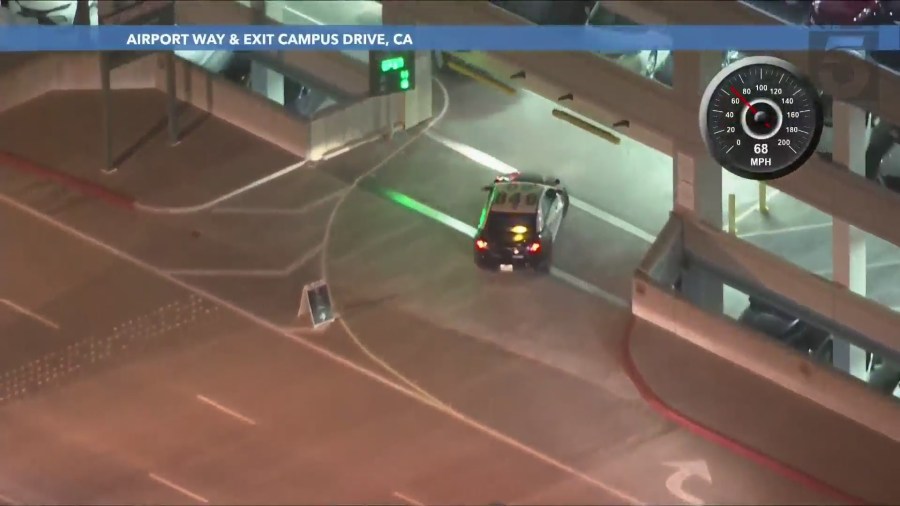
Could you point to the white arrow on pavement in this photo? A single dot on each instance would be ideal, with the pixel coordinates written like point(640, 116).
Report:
point(684, 470)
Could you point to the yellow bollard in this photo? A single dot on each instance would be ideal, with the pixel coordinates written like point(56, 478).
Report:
point(732, 221)
point(763, 198)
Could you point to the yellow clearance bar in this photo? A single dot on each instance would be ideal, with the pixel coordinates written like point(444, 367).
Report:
point(586, 126)
point(480, 76)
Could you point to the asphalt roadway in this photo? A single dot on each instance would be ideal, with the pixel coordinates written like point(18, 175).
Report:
point(157, 357)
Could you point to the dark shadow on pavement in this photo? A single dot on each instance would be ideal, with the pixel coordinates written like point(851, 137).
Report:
point(182, 132)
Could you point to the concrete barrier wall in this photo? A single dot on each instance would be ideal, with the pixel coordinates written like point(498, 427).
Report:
point(726, 253)
point(343, 126)
point(664, 260)
point(763, 357)
point(69, 71)
point(230, 102)
point(349, 76)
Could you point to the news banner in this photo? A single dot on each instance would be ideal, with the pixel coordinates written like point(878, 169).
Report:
point(604, 39)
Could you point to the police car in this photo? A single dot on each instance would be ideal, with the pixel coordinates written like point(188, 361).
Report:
point(519, 223)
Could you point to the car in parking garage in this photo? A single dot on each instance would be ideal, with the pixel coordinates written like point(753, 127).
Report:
point(774, 322)
point(520, 222)
point(813, 341)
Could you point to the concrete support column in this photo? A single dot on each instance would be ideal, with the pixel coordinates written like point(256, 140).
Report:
point(413, 107)
point(691, 72)
point(848, 242)
point(698, 191)
point(418, 104)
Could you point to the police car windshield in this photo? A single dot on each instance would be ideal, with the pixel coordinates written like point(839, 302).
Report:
point(502, 224)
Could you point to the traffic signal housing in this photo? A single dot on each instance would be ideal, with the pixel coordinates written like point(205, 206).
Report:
point(391, 72)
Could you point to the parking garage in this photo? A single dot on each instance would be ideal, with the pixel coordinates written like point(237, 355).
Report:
point(624, 190)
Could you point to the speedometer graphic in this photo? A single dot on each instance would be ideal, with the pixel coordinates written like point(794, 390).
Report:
point(760, 118)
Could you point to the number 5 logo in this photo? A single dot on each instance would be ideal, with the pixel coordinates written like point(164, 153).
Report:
point(840, 73)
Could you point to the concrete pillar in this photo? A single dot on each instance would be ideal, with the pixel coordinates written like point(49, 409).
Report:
point(697, 181)
point(849, 242)
point(698, 191)
point(691, 72)
point(416, 106)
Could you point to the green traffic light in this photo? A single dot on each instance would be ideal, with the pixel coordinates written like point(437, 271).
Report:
point(404, 84)
point(395, 63)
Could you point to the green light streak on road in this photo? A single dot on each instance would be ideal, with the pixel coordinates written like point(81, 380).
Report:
point(430, 212)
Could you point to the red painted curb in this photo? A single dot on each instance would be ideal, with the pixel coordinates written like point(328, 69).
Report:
point(721, 439)
point(80, 185)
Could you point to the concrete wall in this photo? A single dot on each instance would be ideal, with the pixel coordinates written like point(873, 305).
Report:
point(345, 74)
point(333, 130)
point(68, 71)
point(232, 103)
point(727, 253)
point(763, 357)
point(341, 126)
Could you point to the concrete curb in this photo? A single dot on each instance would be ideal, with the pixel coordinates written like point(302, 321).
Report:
point(83, 186)
point(714, 436)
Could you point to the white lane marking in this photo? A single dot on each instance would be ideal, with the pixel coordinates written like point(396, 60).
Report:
point(297, 13)
point(322, 351)
point(274, 211)
point(882, 264)
point(786, 230)
point(178, 488)
point(826, 273)
point(411, 388)
point(613, 220)
point(228, 411)
point(408, 500)
point(249, 273)
point(218, 200)
point(326, 241)
point(590, 288)
point(31, 314)
point(493, 163)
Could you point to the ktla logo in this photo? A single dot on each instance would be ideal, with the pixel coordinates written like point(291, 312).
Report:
point(835, 68)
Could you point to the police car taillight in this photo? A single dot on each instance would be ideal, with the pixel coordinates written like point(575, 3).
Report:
point(505, 178)
point(534, 247)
